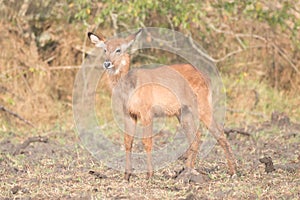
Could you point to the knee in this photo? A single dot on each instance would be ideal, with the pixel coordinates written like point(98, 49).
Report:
point(147, 142)
point(128, 139)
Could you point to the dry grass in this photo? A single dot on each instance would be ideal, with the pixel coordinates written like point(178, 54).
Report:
point(249, 101)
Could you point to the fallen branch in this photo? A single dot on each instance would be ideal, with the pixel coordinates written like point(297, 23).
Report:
point(4, 109)
point(227, 131)
point(28, 142)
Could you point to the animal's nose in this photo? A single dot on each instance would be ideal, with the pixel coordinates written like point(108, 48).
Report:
point(107, 64)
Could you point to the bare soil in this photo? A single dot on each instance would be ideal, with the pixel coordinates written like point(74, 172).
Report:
point(55, 165)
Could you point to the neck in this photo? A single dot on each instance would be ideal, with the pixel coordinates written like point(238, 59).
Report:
point(122, 67)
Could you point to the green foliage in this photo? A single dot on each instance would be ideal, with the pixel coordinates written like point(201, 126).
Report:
point(277, 15)
point(182, 14)
point(274, 16)
point(177, 14)
point(164, 13)
point(84, 9)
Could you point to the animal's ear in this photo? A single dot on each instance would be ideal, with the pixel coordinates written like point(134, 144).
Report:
point(97, 40)
point(130, 40)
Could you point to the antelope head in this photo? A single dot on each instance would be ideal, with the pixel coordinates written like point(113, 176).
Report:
point(116, 58)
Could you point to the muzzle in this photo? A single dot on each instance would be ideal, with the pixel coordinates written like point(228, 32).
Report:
point(108, 65)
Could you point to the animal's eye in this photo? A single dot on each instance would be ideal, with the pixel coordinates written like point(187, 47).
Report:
point(104, 50)
point(118, 51)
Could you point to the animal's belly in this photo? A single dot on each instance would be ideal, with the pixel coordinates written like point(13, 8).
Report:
point(152, 100)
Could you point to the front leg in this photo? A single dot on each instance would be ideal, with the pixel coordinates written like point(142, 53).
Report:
point(128, 140)
point(147, 141)
point(130, 125)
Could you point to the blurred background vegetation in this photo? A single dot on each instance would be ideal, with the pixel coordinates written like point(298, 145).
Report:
point(255, 45)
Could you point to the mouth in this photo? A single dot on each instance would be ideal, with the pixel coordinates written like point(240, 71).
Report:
point(109, 68)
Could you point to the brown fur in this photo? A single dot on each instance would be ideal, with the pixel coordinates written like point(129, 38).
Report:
point(177, 90)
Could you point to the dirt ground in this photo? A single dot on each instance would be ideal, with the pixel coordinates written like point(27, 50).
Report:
point(55, 165)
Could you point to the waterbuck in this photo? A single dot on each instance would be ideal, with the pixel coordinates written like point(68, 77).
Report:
point(167, 90)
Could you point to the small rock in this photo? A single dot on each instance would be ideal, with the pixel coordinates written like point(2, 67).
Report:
point(269, 167)
point(199, 178)
point(97, 174)
point(191, 197)
point(15, 189)
point(281, 119)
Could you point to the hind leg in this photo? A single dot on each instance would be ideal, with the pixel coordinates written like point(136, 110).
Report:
point(220, 136)
point(194, 149)
point(189, 128)
point(222, 140)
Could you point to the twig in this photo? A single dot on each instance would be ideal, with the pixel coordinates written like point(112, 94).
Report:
point(239, 35)
point(220, 59)
point(84, 47)
point(24, 8)
point(114, 18)
point(248, 113)
point(172, 27)
point(49, 59)
point(26, 83)
point(166, 43)
point(142, 25)
point(256, 98)
point(64, 67)
point(124, 25)
point(27, 142)
point(230, 54)
point(286, 57)
point(82, 50)
point(16, 115)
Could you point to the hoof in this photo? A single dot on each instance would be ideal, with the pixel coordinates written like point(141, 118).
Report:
point(234, 176)
point(189, 175)
point(232, 172)
point(149, 175)
point(184, 175)
point(127, 176)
